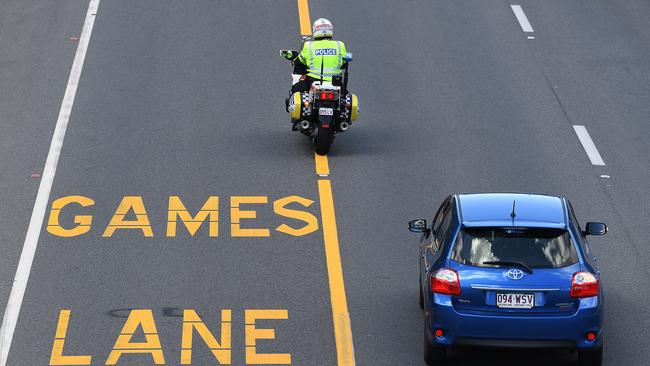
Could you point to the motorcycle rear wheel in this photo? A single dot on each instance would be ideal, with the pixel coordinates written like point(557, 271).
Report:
point(322, 141)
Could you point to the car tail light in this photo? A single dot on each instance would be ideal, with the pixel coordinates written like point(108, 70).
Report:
point(584, 284)
point(445, 281)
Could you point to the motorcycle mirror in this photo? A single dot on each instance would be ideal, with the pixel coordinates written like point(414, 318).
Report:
point(286, 54)
point(348, 57)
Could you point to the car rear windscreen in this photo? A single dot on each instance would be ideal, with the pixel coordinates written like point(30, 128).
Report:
point(537, 248)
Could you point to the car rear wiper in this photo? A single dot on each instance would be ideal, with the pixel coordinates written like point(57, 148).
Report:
point(512, 263)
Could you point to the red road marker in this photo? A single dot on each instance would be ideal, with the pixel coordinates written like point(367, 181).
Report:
point(73, 39)
point(35, 175)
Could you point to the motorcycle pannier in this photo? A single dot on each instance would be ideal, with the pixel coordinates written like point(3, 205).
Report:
point(299, 105)
point(351, 110)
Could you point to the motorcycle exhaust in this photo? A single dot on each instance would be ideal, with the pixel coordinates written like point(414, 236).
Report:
point(344, 126)
point(305, 124)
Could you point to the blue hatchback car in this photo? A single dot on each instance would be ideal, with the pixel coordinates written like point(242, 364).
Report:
point(509, 270)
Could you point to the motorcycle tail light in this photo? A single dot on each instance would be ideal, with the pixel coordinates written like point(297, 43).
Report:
point(327, 95)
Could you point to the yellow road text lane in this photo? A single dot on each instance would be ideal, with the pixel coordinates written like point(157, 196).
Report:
point(150, 350)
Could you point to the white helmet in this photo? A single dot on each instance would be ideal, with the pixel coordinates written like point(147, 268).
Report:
point(322, 28)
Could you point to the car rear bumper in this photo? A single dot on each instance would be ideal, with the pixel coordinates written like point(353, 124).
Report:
point(461, 329)
point(512, 343)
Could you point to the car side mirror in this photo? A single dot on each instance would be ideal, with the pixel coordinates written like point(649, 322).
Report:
point(418, 226)
point(337, 80)
point(595, 228)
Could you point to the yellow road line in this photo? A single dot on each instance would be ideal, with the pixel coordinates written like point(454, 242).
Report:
point(340, 315)
point(322, 165)
point(303, 14)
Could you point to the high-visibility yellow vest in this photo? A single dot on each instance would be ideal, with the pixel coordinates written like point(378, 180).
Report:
point(325, 53)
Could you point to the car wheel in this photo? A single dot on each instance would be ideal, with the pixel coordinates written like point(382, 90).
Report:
point(421, 302)
point(433, 353)
point(592, 357)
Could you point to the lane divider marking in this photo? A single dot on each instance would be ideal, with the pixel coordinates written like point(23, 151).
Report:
point(588, 145)
point(17, 293)
point(523, 20)
point(322, 165)
point(305, 20)
point(340, 314)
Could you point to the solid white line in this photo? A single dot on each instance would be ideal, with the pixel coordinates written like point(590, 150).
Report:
point(521, 17)
point(36, 222)
point(588, 145)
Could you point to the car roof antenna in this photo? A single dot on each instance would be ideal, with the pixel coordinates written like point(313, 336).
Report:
point(513, 214)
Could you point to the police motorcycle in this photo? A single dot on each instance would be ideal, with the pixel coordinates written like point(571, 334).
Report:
point(326, 109)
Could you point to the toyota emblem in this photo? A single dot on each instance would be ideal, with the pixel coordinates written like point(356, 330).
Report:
point(515, 274)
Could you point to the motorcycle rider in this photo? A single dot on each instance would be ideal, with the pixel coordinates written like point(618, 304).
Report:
point(323, 53)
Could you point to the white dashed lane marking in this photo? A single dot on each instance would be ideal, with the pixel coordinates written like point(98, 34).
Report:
point(588, 145)
point(523, 20)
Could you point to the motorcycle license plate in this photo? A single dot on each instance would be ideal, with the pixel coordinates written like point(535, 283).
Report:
point(326, 111)
point(515, 301)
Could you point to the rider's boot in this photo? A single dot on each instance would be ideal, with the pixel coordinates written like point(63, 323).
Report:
point(294, 124)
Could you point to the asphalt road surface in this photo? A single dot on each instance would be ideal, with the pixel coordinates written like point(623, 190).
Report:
point(179, 106)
